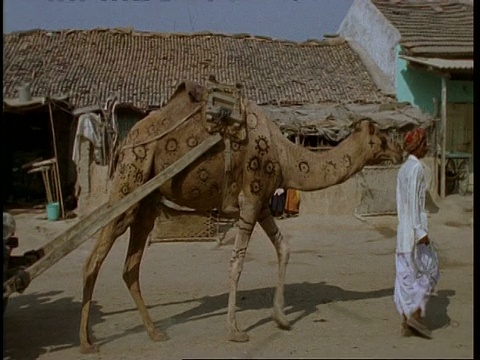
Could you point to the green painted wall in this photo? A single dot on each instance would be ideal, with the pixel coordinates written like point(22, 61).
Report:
point(126, 118)
point(420, 87)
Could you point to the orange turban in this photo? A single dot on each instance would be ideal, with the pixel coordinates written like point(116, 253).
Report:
point(412, 139)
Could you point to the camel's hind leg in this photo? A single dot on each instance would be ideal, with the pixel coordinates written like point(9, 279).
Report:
point(104, 243)
point(267, 222)
point(139, 231)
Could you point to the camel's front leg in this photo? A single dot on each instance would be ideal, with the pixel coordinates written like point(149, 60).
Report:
point(283, 254)
point(246, 223)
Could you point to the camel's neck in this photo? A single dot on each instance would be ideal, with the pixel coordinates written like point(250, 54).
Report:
point(306, 170)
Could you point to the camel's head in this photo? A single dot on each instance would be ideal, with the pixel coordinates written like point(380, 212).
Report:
point(380, 147)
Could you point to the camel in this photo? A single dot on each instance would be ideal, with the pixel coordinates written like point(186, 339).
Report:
point(238, 176)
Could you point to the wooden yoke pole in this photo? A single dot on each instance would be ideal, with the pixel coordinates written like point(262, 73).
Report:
point(88, 225)
point(56, 172)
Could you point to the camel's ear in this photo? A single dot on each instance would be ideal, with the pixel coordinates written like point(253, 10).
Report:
point(194, 91)
point(371, 128)
point(357, 125)
point(367, 125)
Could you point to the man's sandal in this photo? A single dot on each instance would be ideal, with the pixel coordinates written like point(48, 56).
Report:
point(419, 328)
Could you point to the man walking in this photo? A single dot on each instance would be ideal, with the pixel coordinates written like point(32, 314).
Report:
point(416, 261)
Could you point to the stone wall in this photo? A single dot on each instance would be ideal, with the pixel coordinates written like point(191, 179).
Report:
point(372, 191)
point(337, 200)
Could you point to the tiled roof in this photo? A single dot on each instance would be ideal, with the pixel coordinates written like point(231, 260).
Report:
point(144, 68)
point(442, 64)
point(438, 28)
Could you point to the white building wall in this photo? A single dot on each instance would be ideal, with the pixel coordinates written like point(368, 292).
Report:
point(365, 25)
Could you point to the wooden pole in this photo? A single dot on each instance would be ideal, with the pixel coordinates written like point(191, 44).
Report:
point(73, 237)
point(47, 186)
point(46, 180)
point(435, 138)
point(56, 185)
point(56, 171)
point(444, 138)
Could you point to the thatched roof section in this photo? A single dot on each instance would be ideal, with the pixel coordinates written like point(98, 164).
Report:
point(144, 68)
point(335, 122)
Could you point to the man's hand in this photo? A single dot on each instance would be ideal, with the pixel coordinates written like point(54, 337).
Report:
point(425, 240)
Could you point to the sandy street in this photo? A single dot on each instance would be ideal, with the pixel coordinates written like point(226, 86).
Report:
point(339, 295)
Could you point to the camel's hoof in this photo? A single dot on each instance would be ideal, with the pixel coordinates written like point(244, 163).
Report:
point(88, 349)
point(238, 336)
point(159, 336)
point(282, 321)
point(283, 324)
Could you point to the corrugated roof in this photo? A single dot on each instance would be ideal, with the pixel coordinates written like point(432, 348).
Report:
point(442, 64)
point(145, 68)
point(431, 28)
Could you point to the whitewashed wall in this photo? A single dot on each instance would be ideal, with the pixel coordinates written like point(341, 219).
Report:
point(365, 25)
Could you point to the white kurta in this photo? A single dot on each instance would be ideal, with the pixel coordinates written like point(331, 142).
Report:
point(416, 265)
point(412, 218)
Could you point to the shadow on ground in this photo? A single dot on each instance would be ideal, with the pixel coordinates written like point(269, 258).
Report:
point(300, 298)
point(34, 324)
point(436, 313)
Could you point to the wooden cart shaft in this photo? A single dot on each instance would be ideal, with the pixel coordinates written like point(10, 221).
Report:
point(86, 227)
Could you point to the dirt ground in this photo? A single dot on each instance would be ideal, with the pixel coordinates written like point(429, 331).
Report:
point(339, 295)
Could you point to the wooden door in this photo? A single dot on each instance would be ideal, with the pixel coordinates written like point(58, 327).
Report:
point(460, 128)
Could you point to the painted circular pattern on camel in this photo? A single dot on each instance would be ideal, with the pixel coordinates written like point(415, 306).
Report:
point(269, 167)
point(234, 187)
point(192, 141)
point(255, 187)
point(214, 189)
point(122, 171)
point(164, 165)
point(262, 145)
point(125, 189)
point(132, 169)
point(138, 179)
point(254, 164)
point(203, 175)
point(347, 160)
point(152, 129)
point(252, 120)
point(140, 152)
point(195, 193)
point(235, 146)
point(304, 167)
point(332, 164)
point(171, 145)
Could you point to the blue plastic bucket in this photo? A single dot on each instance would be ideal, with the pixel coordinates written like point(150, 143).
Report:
point(53, 211)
